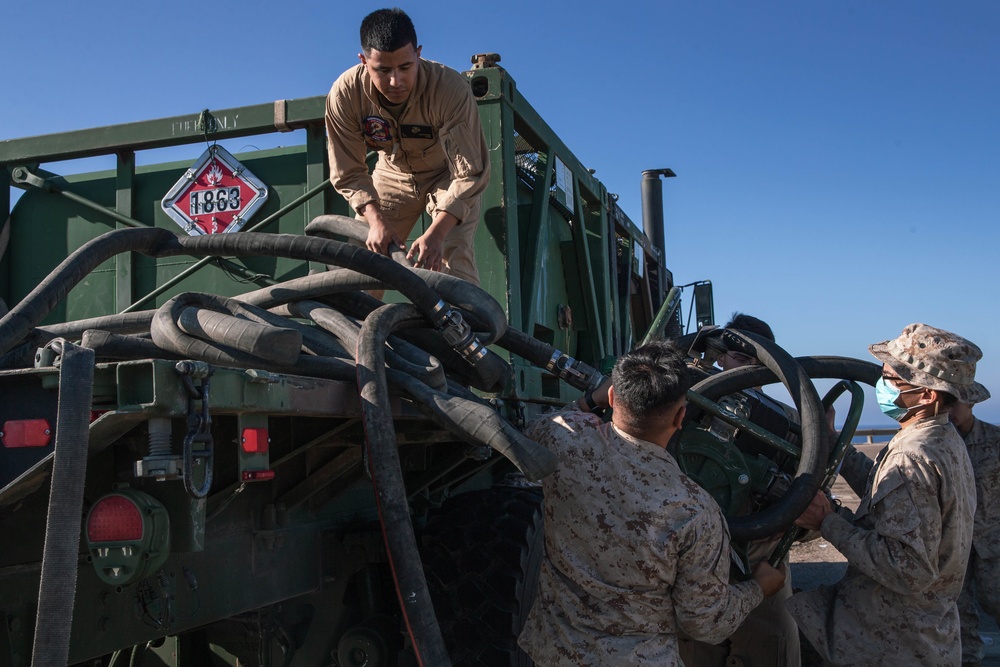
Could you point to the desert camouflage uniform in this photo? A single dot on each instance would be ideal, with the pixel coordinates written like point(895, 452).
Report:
point(982, 581)
point(635, 551)
point(907, 548)
point(768, 637)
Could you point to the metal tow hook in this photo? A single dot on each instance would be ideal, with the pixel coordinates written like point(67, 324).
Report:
point(199, 424)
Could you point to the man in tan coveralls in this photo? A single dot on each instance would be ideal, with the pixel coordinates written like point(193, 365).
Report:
point(635, 551)
point(422, 119)
point(908, 544)
point(982, 578)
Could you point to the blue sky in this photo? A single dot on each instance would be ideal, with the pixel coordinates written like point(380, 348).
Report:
point(837, 161)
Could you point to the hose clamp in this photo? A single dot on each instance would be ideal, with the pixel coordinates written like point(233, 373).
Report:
point(552, 365)
point(577, 373)
point(474, 351)
point(441, 313)
point(565, 366)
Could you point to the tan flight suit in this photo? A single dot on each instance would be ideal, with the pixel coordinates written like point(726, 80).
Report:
point(433, 158)
point(906, 547)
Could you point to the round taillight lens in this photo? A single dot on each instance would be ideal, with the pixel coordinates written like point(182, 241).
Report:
point(114, 519)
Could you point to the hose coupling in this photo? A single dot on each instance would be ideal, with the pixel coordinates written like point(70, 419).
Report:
point(574, 371)
point(458, 334)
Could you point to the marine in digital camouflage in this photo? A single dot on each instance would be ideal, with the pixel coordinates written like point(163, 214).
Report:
point(635, 550)
point(907, 547)
point(982, 580)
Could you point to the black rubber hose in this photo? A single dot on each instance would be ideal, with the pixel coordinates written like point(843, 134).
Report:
point(390, 491)
point(484, 311)
point(574, 372)
point(457, 292)
point(477, 306)
point(154, 242)
point(315, 340)
point(107, 345)
point(325, 226)
point(168, 335)
point(252, 244)
point(402, 356)
point(810, 469)
point(33, 308)
point(23, 355)
point(491, 372)
point(313, 286)
point(232, 347)
point(61, 553)
point(278, 344)
point(124, 323)
point(816, 367)
point(465, 415)
point(490, 377)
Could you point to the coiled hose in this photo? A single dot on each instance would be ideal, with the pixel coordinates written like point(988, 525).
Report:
point(234, 331)
point(779, 365)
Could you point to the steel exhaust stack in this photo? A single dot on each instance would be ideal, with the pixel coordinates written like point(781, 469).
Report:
point(652, 208)
point(652, 223)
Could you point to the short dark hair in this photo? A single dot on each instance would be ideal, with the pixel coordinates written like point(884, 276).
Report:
point(649, 378)
point(387, 30)
point(744, 322)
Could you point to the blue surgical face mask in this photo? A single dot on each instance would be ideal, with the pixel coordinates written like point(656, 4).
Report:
point(886, 395)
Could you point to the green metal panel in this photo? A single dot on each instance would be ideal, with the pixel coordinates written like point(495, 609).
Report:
point(67, 226)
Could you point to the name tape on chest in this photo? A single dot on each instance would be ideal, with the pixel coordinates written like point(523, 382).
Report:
point(416, 131)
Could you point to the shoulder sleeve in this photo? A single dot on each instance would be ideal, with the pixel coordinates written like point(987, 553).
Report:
point(345, 142)
point(707, 606)
point(543, 429)
point(900, 550)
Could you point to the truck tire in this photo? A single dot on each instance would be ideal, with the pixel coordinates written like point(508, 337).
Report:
point(482, 552)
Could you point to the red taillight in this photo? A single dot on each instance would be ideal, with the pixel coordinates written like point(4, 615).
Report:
point(255, 440)
point(114, 519)
point(26, 433)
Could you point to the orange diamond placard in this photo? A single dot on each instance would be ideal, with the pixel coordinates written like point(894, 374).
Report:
point(216, 195)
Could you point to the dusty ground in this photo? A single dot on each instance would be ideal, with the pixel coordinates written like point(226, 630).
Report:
point(817, 562)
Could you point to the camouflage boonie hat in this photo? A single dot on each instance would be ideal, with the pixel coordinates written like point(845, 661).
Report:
point(934, 358)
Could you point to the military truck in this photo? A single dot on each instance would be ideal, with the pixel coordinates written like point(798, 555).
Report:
point(219, 449)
